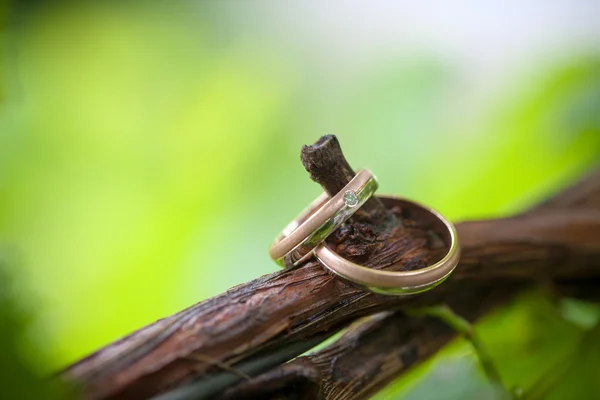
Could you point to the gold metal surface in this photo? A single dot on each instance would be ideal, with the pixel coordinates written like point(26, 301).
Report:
point(399, 283)
point(321, 218)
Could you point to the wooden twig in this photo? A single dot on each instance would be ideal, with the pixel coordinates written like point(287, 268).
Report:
point(327, 166)
point(286, 307)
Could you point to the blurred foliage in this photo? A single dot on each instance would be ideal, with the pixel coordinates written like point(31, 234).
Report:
point(540, 348)
point(19, 355)
point(149, 153)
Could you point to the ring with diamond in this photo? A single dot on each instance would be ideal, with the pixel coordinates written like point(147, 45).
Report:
point(324, 215)
point(394, 282)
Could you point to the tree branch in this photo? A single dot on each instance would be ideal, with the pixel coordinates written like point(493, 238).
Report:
point(287, 307)
point(373, 352)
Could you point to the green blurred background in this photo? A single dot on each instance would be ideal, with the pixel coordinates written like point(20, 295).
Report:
point(149, 152)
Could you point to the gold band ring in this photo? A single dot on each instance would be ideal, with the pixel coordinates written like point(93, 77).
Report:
point(320, 219)
point(399, 283)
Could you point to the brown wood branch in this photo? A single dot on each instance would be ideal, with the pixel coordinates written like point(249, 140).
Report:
point(584, 194)
point(296, 380)
point(291, 305)
point(375, 351)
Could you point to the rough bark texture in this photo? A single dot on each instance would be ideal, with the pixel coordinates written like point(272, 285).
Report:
point(557, 242)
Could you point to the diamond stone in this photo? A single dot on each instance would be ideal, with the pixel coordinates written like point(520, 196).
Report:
point(350, 198)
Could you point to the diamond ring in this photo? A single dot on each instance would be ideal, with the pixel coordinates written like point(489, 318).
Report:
point(324, 215)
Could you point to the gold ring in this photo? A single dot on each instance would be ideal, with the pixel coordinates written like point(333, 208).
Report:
point(398, 283)
point(324, 215)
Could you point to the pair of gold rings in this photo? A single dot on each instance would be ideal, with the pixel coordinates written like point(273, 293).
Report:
point(306, 236)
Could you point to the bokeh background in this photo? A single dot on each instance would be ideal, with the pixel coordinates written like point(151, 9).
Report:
point(149, 153)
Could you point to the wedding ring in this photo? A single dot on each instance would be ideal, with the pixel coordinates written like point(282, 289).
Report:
point(324, 215)
point(399, 283)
